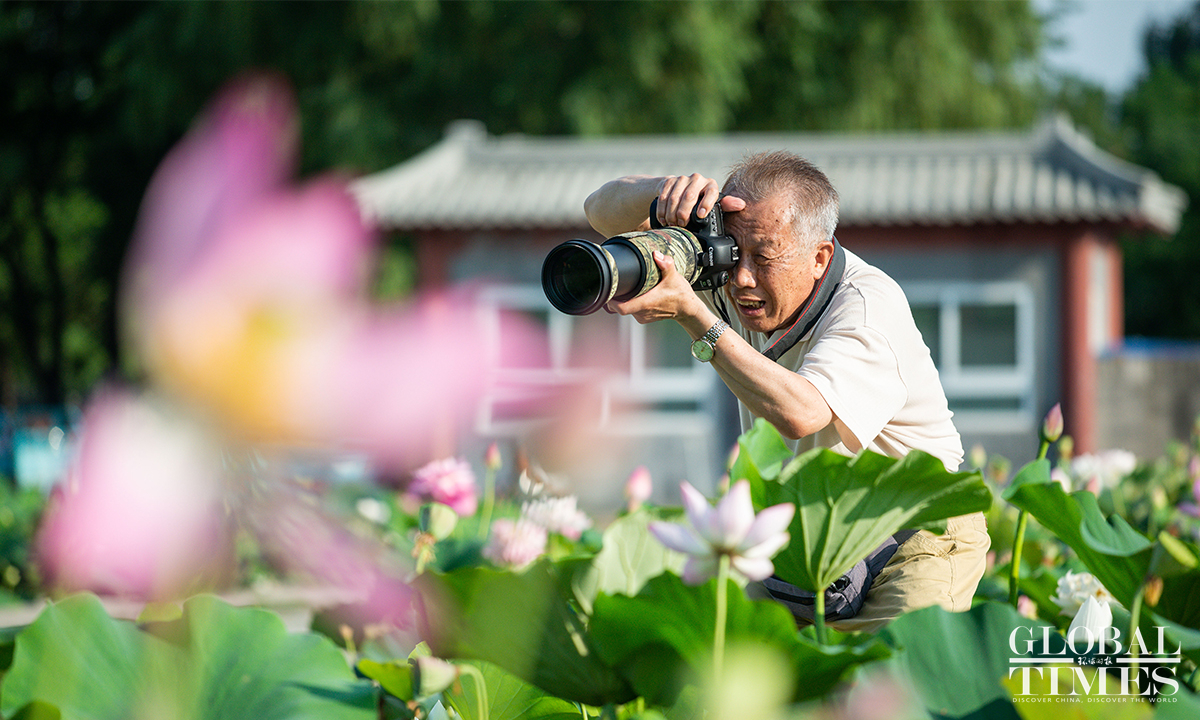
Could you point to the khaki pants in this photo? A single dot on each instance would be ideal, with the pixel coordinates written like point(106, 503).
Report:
point(926, 570)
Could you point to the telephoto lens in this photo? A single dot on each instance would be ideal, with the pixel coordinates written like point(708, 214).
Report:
point(580, 277)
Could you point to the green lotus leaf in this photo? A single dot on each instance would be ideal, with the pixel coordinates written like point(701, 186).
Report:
point(847, 506)
point(662, 638)
point(629, 557)
point(508, 698)
point(762, 453)
point(956, 661)
point(216, 661)
point(522, 622)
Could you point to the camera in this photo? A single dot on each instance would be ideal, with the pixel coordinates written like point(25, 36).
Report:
point(579, 276)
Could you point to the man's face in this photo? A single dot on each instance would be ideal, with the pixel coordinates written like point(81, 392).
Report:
point(773, 277)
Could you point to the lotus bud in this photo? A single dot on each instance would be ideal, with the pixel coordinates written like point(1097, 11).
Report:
point(1153, 592)
point(978, 457)
point(1052, 425)
point(438, 520)
point(638, 487)
point(1091, 622)
point(1066, 448)
point(432, 675)
point(491, 460)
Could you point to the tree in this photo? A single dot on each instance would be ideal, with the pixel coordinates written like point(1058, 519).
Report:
point(1162, 113)
point(96, 93)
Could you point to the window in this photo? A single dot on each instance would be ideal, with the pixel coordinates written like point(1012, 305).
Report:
point(981, 336)
point(643, 373)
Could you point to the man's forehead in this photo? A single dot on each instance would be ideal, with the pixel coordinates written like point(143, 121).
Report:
point(761, 221)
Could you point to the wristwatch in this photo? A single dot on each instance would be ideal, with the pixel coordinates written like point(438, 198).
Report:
point(704, 348)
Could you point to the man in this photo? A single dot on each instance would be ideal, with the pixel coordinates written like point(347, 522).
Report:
point(823, 346)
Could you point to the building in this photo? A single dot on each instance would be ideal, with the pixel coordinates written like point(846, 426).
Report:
point(1006, 244)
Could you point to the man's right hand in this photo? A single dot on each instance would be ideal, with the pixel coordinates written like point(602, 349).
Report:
point(621, 205)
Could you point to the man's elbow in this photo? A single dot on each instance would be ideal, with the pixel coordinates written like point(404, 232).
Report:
point(796, 426)
point(794, 429)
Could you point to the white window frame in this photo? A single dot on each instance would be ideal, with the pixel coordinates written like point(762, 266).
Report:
point(997, 381)
point(638, 382)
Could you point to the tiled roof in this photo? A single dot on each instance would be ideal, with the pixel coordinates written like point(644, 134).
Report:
point(1052, 173)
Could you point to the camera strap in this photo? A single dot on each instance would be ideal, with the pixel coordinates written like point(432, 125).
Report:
point(814, 307)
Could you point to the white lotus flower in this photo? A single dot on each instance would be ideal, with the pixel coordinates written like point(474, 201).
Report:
point(558, 514)
point(1074, 589)
point(1089, 625)
point(730, 529)
point(1105, 469)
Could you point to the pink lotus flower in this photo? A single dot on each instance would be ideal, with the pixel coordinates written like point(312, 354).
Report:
point(638, 488)
point(138, 513)
point(731, 528)
point(515, 543)
point(248, 297)
point(450, 482)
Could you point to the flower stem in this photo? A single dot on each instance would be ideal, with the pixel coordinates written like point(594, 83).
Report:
point(819, 618)
point(1135, 617)
point(719, 631)
point(480, 688)
point(1014, 570)
point(489, 500)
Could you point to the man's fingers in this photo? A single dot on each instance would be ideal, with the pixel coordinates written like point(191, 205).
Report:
point(681, 194)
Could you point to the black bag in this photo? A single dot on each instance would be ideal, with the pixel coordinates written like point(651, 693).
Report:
point(844, 598)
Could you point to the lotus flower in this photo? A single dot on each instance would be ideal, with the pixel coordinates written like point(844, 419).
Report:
point(138, 513)
point(450, 482)
point(515, 543)
point(247, 296)
point(558, 515)
point(1105, 469)
point(1090, 622)
point(1074, 589)
point(731, 529)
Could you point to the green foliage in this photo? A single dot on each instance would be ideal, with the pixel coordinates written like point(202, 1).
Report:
point(1162, 116)
point(508, 698)
point(20, 511)
point(523, 623)
point(662, 638)
point(957, 660)
point(217, 661)
point(846, 507)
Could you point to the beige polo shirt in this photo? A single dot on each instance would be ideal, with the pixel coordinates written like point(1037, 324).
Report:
point(868, 360)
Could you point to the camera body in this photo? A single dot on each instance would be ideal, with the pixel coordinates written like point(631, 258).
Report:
point(719, 252)
point(580, 277)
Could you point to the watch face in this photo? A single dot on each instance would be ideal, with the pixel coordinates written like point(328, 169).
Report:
point(702, 351)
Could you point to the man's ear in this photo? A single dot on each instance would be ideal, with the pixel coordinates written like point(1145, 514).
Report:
point(823, 257)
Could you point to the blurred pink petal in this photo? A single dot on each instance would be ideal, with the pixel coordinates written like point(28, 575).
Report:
point(306, 543)
point(680, 538)
point(450, 482)
point(515, 543)
point(242, 147)
point(638, 487)
point(138, 513)
point(247, 297)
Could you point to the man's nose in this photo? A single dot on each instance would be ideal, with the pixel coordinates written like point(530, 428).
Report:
point(743, 274)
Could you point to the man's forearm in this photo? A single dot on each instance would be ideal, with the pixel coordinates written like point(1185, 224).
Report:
point(779, 396)
point(622, 205)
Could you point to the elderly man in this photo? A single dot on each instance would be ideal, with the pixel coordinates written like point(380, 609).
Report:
point(823, 346)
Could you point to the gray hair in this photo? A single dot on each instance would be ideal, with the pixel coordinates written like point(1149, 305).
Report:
point(812, 198)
